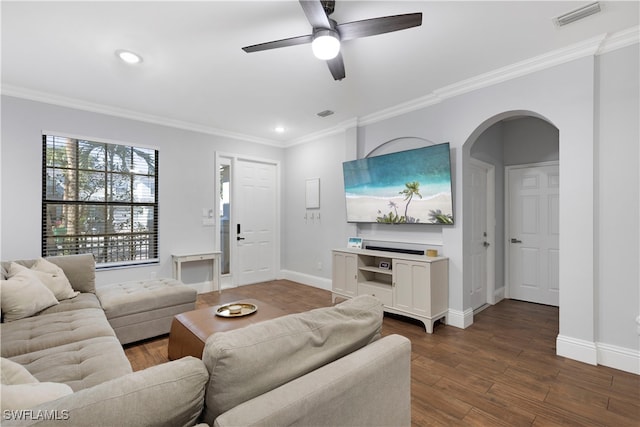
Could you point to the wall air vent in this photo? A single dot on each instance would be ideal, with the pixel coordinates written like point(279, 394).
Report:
point(325, 113)
point(577, 14)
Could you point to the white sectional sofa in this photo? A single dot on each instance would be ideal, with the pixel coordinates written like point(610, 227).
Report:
point(327, 366)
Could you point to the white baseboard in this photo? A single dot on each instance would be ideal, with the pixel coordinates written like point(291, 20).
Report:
point(577, 349)
point(625, 359)
point(498, 295)
point(306, 279)
point(202, 287)
point(460, 319)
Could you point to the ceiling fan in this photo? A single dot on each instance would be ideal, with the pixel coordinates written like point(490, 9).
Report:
point(327, 33)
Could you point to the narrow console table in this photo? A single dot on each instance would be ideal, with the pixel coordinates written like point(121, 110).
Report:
point(179, 259)
point(415, 286)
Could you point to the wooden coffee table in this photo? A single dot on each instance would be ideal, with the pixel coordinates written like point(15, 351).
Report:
point(190, 330)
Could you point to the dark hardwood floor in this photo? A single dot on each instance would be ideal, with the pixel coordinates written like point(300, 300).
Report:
point(501, 371)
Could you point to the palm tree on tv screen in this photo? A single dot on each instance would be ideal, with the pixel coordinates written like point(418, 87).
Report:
point(413, 189)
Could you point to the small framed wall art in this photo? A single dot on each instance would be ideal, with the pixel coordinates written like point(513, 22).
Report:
point(355, 242)
point(312, 199)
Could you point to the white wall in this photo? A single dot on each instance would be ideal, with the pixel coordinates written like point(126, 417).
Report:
point(617, 210)
point(593, 327)
point(512, 142)
point(307, 242)
point(186, 167)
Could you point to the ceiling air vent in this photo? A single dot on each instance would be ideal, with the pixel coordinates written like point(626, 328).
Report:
point(325, 113)
point(577, 14)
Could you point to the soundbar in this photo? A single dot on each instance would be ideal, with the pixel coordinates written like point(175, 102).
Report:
point(397, 250)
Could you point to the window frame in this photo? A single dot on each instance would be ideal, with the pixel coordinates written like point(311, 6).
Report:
point(111, 246)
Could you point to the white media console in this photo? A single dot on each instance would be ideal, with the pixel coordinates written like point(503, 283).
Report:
point(415, 286)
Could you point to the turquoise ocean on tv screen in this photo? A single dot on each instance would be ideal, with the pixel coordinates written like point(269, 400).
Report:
point(385, 176)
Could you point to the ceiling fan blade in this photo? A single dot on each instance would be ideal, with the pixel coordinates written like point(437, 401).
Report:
point(293, 41)
point(375, 26)
point(336, 66)
point(315, 13)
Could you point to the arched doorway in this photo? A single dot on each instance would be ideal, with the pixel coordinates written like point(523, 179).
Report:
point(519, 141)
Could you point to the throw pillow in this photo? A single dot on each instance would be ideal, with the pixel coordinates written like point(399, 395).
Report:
point(21, 390)
point(24, 396)
point(54, 278)
point(246, 362)
point(23, 294)
point(15, 373)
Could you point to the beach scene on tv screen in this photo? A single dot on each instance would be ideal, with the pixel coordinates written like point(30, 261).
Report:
point(408, 187)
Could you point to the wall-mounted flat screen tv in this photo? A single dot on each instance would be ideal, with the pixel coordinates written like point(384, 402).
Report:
point(407, 187)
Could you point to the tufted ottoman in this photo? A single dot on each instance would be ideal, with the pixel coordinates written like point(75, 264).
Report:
point(144, 309)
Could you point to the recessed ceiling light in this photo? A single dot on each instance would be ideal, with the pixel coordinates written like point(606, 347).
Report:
point(279, 129)
point(128, 56)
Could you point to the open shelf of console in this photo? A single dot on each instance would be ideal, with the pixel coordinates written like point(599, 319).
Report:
point(415, 286)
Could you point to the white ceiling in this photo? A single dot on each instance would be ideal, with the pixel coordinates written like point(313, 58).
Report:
point(195, 75)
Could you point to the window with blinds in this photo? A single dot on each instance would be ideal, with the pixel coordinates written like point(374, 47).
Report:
point(99, 198)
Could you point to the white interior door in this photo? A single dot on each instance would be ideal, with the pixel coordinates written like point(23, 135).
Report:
point(479, 241)
point(256, 221)
point(534, 233)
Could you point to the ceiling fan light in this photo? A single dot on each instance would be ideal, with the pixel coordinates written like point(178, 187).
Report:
point(326, 44)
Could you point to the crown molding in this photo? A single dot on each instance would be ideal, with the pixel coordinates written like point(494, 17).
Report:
point(591, 47)
point(48, 98)
point(337, 129)
point(585, 48)
point(620, 39)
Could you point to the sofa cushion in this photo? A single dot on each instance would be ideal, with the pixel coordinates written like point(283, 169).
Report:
point(23, 294)
point(51, 330)
point(83, 300)
point(123, 299)
point(170, 394)
point(79, 269)
point(54, 278)
point(24, 396)
point(15, 373)
point(21, 390)
point(79, 364)
point(247, 362)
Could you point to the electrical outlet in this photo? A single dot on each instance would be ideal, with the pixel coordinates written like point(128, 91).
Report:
point(319, 265)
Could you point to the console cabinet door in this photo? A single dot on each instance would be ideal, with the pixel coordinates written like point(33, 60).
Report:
point(411, 287)
point(345, 274)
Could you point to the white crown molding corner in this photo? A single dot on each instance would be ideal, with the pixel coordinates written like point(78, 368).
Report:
point(334, 130)
point(400, 109)
point(620, 39)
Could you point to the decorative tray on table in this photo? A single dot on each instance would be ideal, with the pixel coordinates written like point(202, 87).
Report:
point(236, 309)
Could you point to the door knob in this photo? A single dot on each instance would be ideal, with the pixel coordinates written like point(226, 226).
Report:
point(486, 244)
point(239, 238)
point(515, 240)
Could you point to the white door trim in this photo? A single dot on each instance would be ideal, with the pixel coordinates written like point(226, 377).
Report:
point(232, 279)
point(491, 226)
point(507, 213)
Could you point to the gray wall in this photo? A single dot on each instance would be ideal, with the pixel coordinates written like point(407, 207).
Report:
point(307, 240)
point(592, 105)
point(511, 142)
point(187, 174)
point(616, 191)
